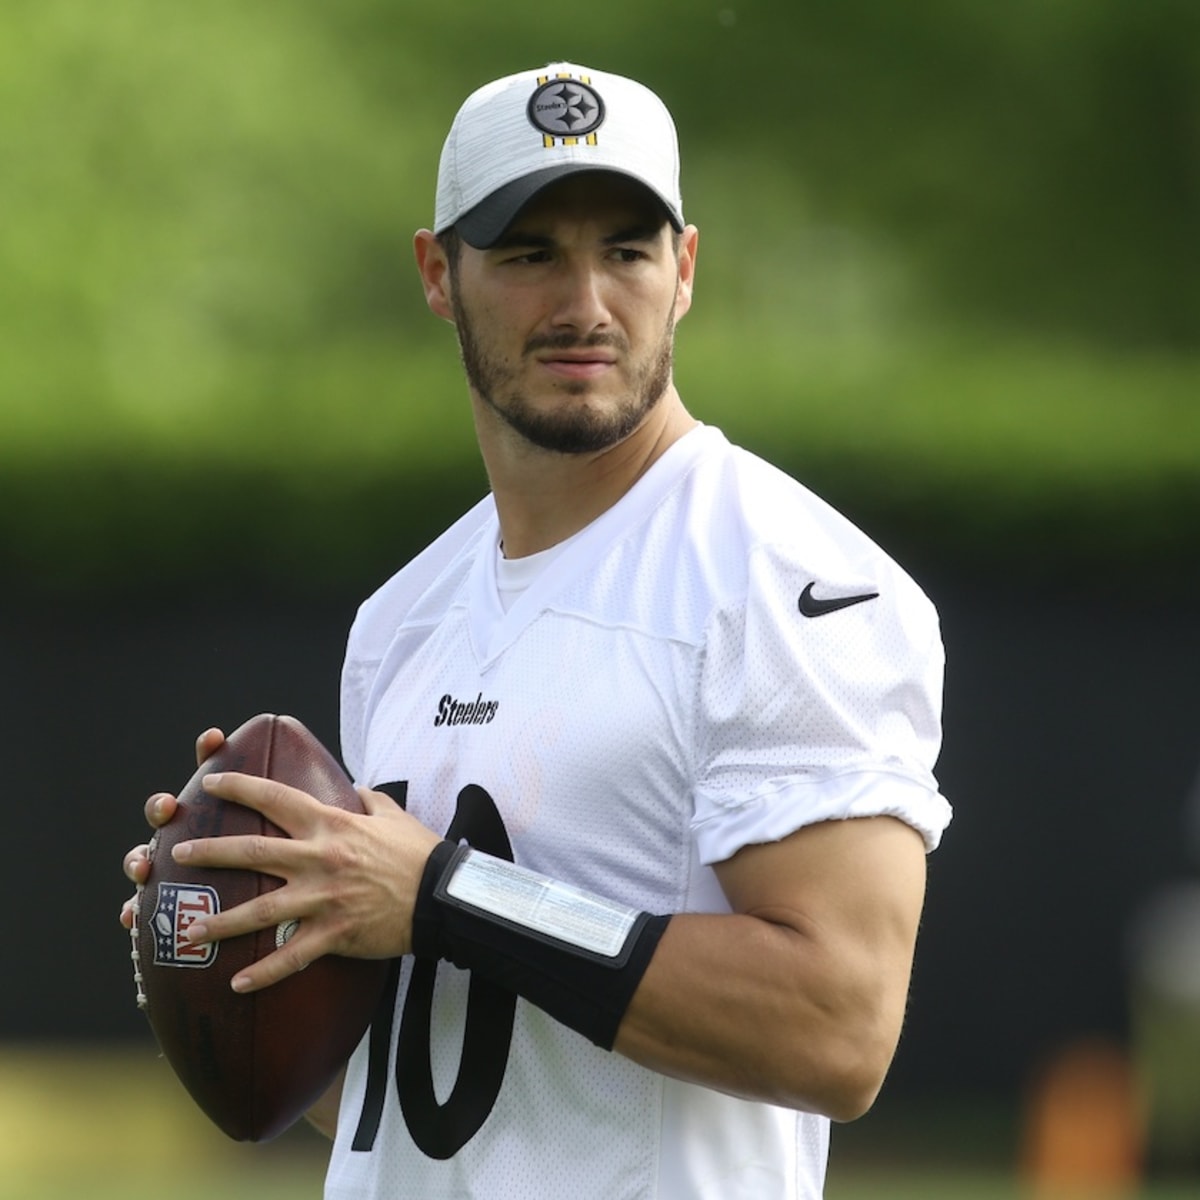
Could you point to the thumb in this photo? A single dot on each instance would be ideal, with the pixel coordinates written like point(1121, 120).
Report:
point(376, 803)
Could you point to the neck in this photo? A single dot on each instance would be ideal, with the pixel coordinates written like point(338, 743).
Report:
point(543, 496)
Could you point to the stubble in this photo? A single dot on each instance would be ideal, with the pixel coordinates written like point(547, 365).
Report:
point(575, 427)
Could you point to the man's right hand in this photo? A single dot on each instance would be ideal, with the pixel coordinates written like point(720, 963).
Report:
point(160, 808)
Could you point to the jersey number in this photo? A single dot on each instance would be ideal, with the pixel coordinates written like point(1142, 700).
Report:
point(441, 1130)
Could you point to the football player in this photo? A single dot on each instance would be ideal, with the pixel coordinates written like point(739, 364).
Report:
point(646, 737)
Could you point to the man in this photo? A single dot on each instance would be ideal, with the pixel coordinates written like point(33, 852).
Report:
point(645, 738)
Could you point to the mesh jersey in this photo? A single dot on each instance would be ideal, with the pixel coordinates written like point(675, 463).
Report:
point(652, 702)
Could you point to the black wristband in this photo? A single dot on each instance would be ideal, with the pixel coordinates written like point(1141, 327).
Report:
point(586, 989)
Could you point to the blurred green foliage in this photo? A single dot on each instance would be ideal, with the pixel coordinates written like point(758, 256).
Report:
point(949, 270)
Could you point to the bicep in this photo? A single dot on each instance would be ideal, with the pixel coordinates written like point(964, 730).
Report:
point(854, 888)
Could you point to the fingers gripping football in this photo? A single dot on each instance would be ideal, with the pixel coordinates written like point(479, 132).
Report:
point(238, 1056)
point(159, 809)
point(350, 880)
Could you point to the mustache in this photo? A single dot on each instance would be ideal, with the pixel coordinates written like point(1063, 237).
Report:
point(572, 341)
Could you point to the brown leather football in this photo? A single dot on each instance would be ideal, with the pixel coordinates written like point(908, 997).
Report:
point(254, 1063)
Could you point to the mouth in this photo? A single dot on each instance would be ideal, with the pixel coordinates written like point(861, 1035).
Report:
point(577, 365)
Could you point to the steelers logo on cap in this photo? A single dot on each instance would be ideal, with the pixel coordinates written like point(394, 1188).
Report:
point(565, 108)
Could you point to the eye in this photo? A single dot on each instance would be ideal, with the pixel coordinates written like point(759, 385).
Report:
point(629, 254)
point(529, 257)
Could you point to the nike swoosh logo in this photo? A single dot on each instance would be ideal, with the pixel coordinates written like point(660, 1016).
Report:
point(811, 606)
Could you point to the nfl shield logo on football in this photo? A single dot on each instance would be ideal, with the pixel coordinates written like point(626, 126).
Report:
point(181, 905)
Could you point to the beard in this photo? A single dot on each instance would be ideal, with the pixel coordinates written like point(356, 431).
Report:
point(575, 428)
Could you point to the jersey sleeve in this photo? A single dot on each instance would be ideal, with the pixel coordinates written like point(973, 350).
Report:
point(803, 719)
point(357, 676)
point(385, 610)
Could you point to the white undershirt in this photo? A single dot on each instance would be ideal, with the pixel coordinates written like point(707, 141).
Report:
point(515, 575)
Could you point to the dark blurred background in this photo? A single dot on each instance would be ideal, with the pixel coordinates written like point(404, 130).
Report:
point(949, 277)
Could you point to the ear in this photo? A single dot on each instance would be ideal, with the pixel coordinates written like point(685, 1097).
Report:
point(434, 269)
point(689, 241)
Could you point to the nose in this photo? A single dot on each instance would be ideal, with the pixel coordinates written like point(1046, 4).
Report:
point(580, 298)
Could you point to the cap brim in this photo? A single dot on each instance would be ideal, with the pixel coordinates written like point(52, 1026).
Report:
point(483, 225)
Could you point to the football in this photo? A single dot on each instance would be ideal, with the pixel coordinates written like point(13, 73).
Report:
point(253, 1063)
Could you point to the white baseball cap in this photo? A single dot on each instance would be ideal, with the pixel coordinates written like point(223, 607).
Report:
point(514, 136)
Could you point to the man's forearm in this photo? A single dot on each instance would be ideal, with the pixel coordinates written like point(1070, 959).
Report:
point(755, 1009)
point(323, 1115)
point(797, 998)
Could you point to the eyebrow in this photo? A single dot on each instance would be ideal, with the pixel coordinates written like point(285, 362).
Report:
point(645, 232)
point(635, 233)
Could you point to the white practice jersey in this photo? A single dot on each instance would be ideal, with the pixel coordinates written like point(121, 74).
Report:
point(656, 699)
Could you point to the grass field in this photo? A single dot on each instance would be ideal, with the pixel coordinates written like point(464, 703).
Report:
point(913, 1183)
point(103, 1124)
